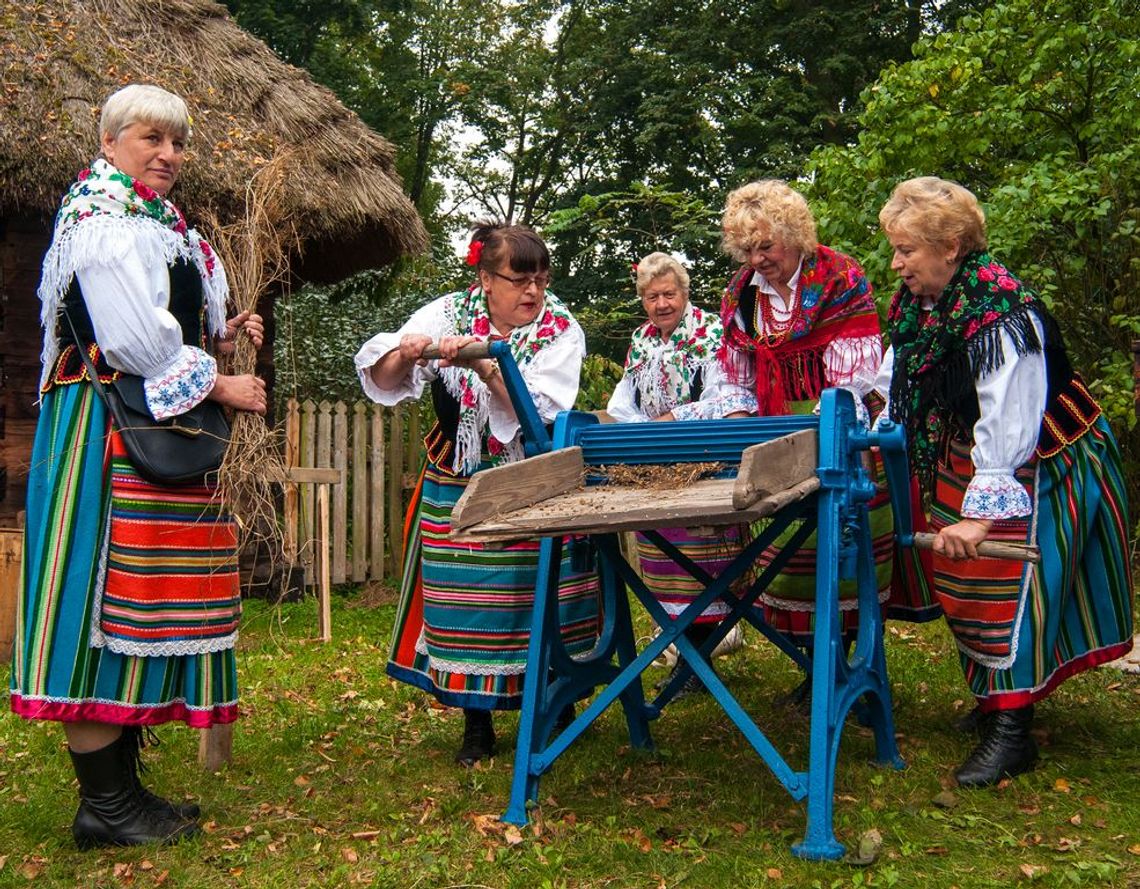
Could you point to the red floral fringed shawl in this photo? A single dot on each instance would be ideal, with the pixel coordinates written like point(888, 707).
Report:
point(833, 301)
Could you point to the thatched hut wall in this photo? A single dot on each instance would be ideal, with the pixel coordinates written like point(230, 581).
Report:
point(342, 201)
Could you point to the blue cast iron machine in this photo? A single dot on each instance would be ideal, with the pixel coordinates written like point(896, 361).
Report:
point(832, 502)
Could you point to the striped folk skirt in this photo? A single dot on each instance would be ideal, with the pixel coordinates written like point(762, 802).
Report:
point(1021, 628)
point(57, 671)
point(463, 622)
point(903, 590)
point(671, 584)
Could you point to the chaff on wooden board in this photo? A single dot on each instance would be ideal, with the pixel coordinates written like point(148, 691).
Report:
point(657, 475)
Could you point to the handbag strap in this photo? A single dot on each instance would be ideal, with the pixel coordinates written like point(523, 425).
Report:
point(87, 362)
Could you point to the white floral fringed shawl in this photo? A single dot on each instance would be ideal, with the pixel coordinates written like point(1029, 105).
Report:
point(102, 208)
point(469, 317)
point(662, 371)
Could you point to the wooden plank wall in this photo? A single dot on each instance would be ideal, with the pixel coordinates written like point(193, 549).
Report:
point(23, 242)
point(378, 450)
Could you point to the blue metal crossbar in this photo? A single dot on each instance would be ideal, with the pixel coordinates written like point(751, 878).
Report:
point(837, 512)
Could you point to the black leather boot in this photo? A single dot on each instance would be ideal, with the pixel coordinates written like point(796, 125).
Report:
point(134, 740)
point(1006, 749)
point(478, 738)
point(972, 723)
point(565, 717)
point(697, 634)
point(111, 813)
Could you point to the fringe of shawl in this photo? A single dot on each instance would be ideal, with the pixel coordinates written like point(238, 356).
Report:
point(99, 241)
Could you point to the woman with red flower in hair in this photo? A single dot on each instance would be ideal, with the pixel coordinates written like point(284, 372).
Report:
point(1007, 443)
point(130, 603)
point(463, 623)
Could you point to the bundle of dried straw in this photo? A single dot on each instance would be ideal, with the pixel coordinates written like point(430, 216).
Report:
point(256, 251)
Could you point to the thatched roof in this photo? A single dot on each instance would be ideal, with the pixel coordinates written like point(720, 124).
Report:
point(59, 60)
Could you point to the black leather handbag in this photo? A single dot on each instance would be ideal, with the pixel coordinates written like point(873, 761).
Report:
point(179, 450)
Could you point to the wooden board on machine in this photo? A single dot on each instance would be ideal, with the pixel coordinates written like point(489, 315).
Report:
point(544, 496)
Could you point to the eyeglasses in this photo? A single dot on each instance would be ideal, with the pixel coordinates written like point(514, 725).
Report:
point(541, 280)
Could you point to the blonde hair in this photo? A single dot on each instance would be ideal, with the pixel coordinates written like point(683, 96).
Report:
point(657, 265)
point(935, 211)
point(767, 208)
point(143, 103)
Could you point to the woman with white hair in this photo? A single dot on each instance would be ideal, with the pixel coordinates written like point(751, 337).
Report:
point(671, 373)
point(130, 602)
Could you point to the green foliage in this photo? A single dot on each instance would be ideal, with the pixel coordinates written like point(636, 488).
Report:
point(319, 329)
point(599, 377)
point(602, 236)
point(1033, 106)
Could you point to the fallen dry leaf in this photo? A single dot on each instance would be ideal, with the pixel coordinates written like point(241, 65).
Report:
point(349, 855)
point(301, 781)
point(1076, 820)
point(1033, 871)
point(774, 873)
point(935, 850)
point(1134, 849)
point(1068, 844)
point(512, 835)
point(487, 825)
point(1062, 786)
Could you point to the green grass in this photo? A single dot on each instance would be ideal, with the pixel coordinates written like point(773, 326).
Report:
point(342, 777)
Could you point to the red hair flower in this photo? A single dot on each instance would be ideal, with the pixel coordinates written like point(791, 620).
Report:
point(474, 252)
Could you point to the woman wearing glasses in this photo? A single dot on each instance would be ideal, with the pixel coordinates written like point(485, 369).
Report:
point(672, 373)
point(463, 623)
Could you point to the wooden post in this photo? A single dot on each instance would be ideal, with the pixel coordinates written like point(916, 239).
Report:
point(359, 494)
point(322, 478)
point(412, 455)
point(376, 492)
point(11, 553)
point(324, 587)
point(323, 461)
point(396, 494)
point(340, 494)
point(308, 452)
point(216, 746)
point(292, 455)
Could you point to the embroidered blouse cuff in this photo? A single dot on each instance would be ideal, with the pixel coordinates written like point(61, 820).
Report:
point(995, 495)
point(694, 410)
point(734, 402)
point(184, 383)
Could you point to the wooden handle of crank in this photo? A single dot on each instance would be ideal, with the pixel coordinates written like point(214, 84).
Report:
point(990, 549)
point(471, 350)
